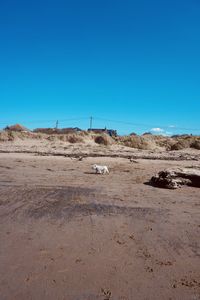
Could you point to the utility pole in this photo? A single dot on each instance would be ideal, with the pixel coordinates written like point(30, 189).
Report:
point(56, 124)
point(91, 119)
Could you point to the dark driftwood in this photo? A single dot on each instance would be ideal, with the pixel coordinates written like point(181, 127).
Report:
point(175, 178)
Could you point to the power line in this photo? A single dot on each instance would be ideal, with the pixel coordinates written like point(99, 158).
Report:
point(91, 119)
point(147, 125)
point(91, 122)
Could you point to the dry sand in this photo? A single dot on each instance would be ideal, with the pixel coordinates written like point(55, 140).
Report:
point(67, 233)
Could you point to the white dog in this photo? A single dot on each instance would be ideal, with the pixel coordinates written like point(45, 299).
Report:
point(100, 169)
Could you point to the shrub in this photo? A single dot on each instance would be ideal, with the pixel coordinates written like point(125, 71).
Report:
point(102, 140)
point(195, 145)
point(74, 139)
point(183, 144)
point(147, 133)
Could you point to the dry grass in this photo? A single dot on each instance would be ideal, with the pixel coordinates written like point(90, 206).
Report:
point(183, 142)
point(6, 136)
point(70, 138)
point(144, 142)
point(163, 142)
point(13, 135)
point(136, 142)
point(84, 133)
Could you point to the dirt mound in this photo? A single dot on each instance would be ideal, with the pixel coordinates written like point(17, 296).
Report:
point(16, 127)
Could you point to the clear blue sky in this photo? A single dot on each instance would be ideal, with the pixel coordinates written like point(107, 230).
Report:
point(134, 61)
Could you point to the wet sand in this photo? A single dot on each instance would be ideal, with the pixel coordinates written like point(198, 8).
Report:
point(67, 233)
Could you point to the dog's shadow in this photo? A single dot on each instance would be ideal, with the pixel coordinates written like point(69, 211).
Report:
point(91, 173)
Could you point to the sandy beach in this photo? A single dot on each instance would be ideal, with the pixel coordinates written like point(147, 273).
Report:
point(67, 233)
